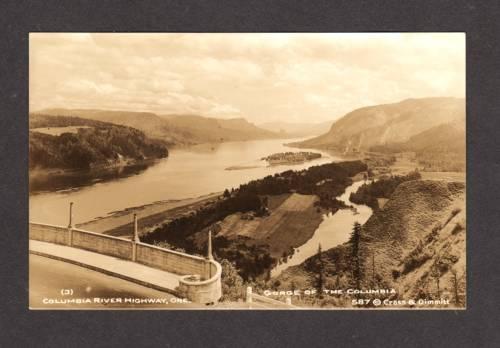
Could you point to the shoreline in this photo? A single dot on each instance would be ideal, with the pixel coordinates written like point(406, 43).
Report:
point(40, 172)
point(41, 180)
point(283, 265)
point(150, 215)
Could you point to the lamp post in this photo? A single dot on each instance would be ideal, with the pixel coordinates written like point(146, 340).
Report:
point(136, 231)
point(70, 225)
point(135, 240)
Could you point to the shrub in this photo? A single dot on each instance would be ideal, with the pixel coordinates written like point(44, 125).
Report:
point(414, 261)
point(453, 213)
point(232, 283)
point(458, 227)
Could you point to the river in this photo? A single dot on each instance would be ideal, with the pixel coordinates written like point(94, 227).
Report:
point(186, 173)
point(335, 229)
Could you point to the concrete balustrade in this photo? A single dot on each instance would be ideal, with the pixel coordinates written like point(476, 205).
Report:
point(102, 244)
point(49, 233)
point(202, 277)
point(171, 261)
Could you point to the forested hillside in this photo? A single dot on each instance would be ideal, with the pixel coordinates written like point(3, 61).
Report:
point(98, 144)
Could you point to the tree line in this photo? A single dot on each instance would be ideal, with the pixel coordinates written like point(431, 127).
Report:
point(383, 188)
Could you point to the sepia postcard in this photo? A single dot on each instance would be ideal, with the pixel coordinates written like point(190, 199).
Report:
point(247, 171)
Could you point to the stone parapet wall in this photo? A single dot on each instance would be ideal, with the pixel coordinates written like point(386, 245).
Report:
point(102, 244)
point(171, 261)
point(202, 280)
point(49, 233)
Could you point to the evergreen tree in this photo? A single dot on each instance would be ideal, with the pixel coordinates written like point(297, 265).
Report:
point(232, 283)
point(320, 277)
point(354, 241)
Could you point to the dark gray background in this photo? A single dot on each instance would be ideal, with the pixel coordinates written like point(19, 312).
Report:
point(476, 327)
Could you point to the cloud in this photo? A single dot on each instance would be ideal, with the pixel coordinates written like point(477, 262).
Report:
point(262, 77)
point(224, 110)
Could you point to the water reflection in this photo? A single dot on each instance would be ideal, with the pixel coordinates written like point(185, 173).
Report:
point(77, 179)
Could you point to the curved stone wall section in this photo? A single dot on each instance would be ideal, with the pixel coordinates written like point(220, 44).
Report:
point(202, 284)
point(49, 233)
point(203, 291)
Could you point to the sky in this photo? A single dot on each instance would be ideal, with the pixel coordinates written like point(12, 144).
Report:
point(261, 77)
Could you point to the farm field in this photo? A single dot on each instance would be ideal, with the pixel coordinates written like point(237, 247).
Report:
point(292, 221)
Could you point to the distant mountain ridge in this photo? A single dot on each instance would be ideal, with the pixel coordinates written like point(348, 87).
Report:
point(176, 130)
point(219, 129)
point(297, 129)
point(385, 124)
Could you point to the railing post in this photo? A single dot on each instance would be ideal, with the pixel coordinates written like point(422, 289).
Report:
point(209, 252)
point(135, 240)
point(136, 230)
point(70, 225)
point(249, 295)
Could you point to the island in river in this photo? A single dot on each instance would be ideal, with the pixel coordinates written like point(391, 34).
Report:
point(291, 157)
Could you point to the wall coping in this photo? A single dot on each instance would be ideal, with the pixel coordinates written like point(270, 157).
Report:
point(102, 235)
point(198, 258)
point(80, 230)
point(49, 225)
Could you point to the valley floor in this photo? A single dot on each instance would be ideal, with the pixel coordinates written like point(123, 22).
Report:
point(292, 221)
point(405, 165)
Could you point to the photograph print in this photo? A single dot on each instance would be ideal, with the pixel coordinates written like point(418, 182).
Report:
point(247, 171)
